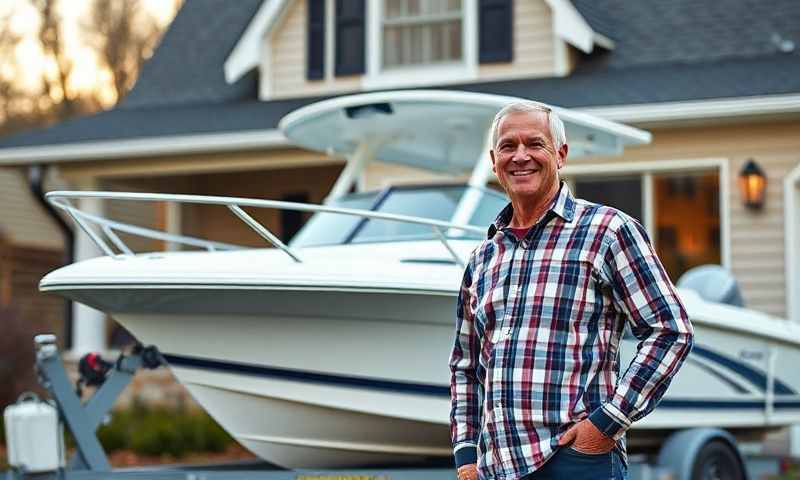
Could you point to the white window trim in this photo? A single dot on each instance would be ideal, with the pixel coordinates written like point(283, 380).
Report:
point(791, 211)
point(330, 40)
point(376, 78)
point(648, 168)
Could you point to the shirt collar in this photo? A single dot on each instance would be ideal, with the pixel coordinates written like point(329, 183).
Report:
point(563, 206)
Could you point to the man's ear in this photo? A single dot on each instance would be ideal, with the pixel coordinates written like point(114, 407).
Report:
point(562, 155)
point(494, 163)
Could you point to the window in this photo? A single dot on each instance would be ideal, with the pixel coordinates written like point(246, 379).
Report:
point(421, 42)
point(623, 193)
point(421, 32)
point(681, 211)
point(292, 220)
point(432, 202)
point(686, 220)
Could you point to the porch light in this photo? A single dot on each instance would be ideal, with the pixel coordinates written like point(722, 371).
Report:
point(753, 185)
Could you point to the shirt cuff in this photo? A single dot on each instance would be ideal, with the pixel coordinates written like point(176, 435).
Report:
point(610, 421)
point(466, 453)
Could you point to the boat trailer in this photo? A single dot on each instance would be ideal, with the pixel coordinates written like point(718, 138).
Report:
point(90, 462)
point(82, 419)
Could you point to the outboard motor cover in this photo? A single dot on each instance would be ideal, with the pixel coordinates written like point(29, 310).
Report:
point(712, 283)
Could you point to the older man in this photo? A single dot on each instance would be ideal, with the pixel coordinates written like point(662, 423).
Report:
point(536, 390)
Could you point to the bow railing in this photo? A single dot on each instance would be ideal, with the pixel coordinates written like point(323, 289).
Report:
point(104, 232)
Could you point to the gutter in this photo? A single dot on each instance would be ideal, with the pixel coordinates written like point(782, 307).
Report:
point(641, 115)
point(144, 147)
point(675, 112)
point(36, 174)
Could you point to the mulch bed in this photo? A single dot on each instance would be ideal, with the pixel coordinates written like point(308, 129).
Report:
point(129, 458)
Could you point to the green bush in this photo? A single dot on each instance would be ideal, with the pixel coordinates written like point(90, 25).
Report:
point(163, 432)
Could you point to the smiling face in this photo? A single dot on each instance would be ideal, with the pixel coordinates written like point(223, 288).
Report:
point(525, 159)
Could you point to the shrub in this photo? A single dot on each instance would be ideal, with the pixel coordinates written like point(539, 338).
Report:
point(162, 432)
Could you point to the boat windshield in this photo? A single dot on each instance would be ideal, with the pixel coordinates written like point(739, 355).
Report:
point(433, 202)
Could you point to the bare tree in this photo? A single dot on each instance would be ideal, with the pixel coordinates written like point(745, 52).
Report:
point(8, 87)
point(124, 36)
point(18, 110)
point(53, 46)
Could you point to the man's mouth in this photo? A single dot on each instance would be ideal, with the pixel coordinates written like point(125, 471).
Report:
point(522, 173)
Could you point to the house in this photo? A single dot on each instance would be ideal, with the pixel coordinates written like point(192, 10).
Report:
point(716, 82)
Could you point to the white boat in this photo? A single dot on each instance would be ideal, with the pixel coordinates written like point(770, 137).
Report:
point(332, 351)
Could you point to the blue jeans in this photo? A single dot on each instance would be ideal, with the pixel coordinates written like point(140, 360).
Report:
point(570, 464)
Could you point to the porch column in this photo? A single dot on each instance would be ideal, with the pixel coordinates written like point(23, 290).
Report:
point(89, 325)
point(791, 188)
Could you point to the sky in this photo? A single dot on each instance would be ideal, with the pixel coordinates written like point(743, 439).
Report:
point(86, 75)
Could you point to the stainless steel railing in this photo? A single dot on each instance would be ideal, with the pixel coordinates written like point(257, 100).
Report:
point(91, 223)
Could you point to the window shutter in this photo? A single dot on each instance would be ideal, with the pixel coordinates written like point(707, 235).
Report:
point(495, 31)
point(315, 67)
point(350, 36)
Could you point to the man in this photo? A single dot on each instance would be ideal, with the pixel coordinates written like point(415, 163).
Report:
point(536, 390)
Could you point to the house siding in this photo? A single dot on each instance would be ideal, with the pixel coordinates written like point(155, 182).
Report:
point(534, 44)
point(379, 174)
point(285, 54)
point(756, 238)
point(218, 223)
point(23, 220)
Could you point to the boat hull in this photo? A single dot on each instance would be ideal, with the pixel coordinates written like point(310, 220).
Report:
point(343, 379)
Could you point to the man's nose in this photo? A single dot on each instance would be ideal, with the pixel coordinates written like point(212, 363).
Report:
point(521, 154)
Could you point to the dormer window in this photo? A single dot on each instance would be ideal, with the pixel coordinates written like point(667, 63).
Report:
point(422, 32)
point(349, 45)
point(420, 42)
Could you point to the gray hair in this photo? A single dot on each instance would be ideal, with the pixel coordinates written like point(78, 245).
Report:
point(557, 131)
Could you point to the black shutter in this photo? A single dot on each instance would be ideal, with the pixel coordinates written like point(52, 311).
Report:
point(495, 31)
point(350, 36)
point(315, 67)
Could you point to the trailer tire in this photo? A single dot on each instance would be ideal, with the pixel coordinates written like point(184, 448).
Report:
point(717, 461)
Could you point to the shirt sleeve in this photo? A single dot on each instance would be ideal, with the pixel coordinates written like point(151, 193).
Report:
point(465, 388)
point(643, 292)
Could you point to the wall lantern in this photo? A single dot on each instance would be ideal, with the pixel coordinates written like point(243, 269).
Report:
point(752, 185)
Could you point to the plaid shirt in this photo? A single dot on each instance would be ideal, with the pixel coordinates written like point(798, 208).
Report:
point(538, 334)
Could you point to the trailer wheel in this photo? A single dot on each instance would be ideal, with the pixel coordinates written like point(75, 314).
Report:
point(717, 461)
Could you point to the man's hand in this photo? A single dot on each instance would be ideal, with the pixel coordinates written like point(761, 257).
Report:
point(586, 438)
point(468, 472)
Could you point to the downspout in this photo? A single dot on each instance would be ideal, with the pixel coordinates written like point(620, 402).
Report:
point(36, 174)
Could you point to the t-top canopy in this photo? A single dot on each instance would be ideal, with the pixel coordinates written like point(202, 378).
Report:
point(437, 130)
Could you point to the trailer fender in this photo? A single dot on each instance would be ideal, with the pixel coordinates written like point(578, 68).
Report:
point(680, 450)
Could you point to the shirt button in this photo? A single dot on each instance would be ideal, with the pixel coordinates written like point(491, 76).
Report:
point(507, 332)
point(498, 404)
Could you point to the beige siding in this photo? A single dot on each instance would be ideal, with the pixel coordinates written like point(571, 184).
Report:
point(285, 53)
point(23, 221)
point(378, 175)
point(288, 60)
point(142, 214)
point(216, 222)
point(756, 238)
point(533, 44)
point(171, 166)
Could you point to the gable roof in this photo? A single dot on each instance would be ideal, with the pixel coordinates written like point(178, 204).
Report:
point(187, 66)
point(647, 32)
point(660, 58)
